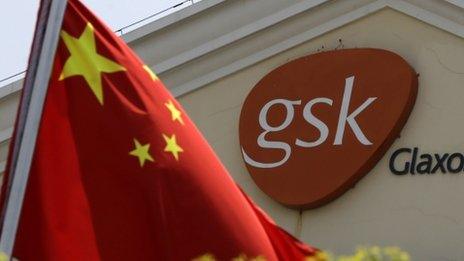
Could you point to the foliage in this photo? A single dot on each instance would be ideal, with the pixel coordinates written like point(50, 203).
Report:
point(366, 254)
point(362, 254)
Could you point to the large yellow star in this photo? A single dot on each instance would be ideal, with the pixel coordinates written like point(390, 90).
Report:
point(151, 73)
point(172, 146)
point(86, 62)
point(175, 113)
point(141, 152)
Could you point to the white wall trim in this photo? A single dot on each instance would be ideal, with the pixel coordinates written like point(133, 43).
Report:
point(427, 17)
point(277, 48)
point(458, 3)
point(398, 5)
point(10, 88)
point(169, 20)
point(6, 134)
point(2, 166)
point(237, 35)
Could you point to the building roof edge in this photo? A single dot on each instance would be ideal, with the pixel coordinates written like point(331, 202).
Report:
point(169, 20)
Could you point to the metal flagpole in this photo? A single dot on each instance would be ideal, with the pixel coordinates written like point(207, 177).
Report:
point(41, 59)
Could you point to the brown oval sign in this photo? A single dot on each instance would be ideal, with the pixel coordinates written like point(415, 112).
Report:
point(310, 129)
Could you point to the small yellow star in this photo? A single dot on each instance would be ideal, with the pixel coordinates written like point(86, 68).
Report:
point(86, 62)
point(172, 146)
point(175, 113)
point(141, 152)
point(151, 73)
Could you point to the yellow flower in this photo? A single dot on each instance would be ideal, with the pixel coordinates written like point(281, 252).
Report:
point(243, 257)
point(205, 257)
point(3, 257)
point(404, 256)
point(319, 256)
point(375, 251)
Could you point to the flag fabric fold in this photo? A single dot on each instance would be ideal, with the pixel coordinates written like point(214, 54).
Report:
point(121, 173)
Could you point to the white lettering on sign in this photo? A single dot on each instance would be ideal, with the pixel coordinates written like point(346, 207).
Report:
point(263, 143)
point(343, 118)
point(311, 119)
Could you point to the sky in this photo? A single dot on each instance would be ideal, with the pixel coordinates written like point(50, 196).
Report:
point(17, 21)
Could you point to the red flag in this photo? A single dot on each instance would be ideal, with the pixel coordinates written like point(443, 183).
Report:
point(121, 173)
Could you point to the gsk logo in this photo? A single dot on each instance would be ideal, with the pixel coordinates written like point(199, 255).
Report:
point(309, 116)
point(313, 127)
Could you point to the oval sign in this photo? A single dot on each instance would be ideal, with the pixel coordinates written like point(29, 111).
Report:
point(310, 129)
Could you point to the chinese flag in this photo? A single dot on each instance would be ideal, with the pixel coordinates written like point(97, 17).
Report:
point(121, 173)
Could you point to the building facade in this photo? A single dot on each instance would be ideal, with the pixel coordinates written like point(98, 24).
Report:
point(212, 54)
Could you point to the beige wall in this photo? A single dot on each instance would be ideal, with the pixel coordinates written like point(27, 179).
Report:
point(422, 214)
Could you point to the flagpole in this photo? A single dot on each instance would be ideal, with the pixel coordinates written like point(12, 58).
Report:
point(41, 59)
